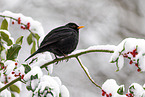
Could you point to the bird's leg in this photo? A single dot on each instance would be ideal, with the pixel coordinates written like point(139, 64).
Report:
point(55, 59)
point(55, 56)
point(64, 55)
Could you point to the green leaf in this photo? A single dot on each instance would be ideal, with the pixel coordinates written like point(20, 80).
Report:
point(29, 39)
point(120, 91)
point(131, 89)
point(19, 40)
point(33, 49)
point(9, 42)
point(14, 88)
point(60, 95)
point(37, 36)
point(4, 25)
point(34, 77)
point(12, 95)
point(13, 52)
point(6, 38)
point(29, 88)
point(1, 47)
point(27, 68)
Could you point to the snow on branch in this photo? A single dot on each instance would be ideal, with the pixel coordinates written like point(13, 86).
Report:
point(134, 50)
point(91, 49)
point(34, 26)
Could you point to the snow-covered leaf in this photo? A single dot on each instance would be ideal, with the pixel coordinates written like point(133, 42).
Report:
point(27, 68)
point(120, 90)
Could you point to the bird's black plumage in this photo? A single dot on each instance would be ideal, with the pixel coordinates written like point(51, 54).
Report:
point(60, 41)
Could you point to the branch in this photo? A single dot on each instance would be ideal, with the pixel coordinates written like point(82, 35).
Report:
point(76, 55)
point(87, 73)
point(61, 59)
point(9, 84)
point(20, 23)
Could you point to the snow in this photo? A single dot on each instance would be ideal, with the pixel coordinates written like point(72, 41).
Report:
point(35, 70)
point(129, 47)
point(35, 26)
point(8, 33)
point(20, 69)
point(48, 81)
point(10, 66)
point(102, 47)
point(2, 77)
point(57, 80)
point(137, 90)
point(52, 84)
point(98, 47)
point(64, 91)
point(42, 59)
point(34, 83)
point(120, 62)
point(110, 86)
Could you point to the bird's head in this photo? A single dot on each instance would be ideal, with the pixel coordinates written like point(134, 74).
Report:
point(74, 26)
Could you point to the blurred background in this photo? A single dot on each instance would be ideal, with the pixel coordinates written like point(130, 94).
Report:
point(105, 21)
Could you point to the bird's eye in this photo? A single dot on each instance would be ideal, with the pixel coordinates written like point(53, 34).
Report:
point(73, 26)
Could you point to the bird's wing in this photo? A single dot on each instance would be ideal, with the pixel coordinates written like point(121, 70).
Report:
point(56, 35)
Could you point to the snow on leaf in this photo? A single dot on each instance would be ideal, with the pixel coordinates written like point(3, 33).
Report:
point(136, 89)
point(133, 50)
point(110, 86)
point(10, 66)
point(35, 70)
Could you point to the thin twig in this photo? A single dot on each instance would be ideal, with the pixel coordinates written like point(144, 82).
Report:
point(21, 23)
point(87, 73)
point(57, 60)
point(76, 55)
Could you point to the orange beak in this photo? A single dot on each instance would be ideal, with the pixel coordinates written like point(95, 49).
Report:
point(80, 27)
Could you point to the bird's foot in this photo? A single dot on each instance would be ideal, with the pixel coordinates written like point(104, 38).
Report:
point(56, 59)
point(67, 60)
point(66, 56)
point(56, 63)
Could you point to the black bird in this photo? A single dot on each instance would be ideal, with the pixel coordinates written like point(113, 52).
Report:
point(60, 41)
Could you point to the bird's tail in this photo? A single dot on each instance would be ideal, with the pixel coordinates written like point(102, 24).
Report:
point(32, 55)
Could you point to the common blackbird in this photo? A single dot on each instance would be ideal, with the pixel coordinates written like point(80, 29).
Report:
point(60, 41)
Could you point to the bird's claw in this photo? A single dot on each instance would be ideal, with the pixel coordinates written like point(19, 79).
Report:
point(67, 60)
